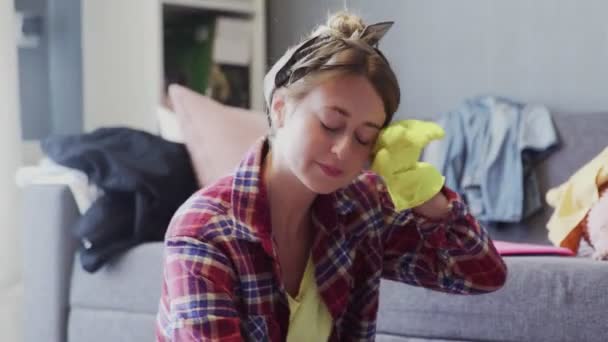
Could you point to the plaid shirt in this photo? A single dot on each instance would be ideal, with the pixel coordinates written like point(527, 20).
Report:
point(222, 279)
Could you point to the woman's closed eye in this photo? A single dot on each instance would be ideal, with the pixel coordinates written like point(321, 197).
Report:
point(364, 142)
point(366, 136)
point(330, 127)
point(364, 139)
point(331, 121)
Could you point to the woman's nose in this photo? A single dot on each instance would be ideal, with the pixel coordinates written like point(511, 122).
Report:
point(341, 147)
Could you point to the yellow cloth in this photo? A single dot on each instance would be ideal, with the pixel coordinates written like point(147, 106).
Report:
point(310, 319)
point(573, 199)
point(409, 182)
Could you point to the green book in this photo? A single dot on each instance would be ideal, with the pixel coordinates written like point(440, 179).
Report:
point(188, 46)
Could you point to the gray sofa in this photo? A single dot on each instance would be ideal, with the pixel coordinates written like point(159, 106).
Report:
point(545, 298)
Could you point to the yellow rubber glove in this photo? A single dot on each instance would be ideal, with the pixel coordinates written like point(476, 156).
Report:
point(410, 182)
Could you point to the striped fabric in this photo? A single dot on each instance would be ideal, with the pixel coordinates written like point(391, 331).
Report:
point(221, 280)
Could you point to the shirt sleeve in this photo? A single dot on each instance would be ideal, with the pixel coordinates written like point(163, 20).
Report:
point(454, 254)
point(197, 301)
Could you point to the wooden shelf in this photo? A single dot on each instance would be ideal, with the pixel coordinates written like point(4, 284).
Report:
point(123, 64)
point(233, 6)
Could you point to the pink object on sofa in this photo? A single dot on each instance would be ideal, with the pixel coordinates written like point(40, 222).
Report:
point(514, 248)
point(216, 136)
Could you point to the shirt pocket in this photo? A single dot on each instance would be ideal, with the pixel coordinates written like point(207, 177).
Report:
point(255, 328)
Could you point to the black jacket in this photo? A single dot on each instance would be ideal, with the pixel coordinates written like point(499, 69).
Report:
point(144, 178)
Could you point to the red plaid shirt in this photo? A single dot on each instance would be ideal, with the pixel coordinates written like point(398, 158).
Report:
point(222, 279)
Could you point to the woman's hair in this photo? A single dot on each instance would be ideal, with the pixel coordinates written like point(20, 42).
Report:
point(343, 46)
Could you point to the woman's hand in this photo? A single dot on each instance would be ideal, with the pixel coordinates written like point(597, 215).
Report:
point(410, 183)
point(436, 208)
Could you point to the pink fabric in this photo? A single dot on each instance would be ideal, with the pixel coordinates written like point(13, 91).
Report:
point(216, 136)
point(513, 248)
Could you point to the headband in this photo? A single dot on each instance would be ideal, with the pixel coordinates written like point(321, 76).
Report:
point(282, 72)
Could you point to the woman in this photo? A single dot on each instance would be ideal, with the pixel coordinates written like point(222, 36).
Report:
point(292, 246)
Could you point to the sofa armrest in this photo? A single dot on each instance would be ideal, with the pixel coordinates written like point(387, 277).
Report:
point(49, 213)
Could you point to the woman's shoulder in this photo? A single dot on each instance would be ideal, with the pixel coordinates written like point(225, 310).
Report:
point(204, 211)
point(364, 192)
point(368, 184)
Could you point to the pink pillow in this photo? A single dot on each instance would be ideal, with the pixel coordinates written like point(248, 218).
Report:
point(216, 136)
point(517, 248)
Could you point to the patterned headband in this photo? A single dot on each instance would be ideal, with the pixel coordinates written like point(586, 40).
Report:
point(281, 73)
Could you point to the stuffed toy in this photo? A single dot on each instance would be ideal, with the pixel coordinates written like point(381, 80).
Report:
point(597, 227)
point(409, 182)
point(572, 202)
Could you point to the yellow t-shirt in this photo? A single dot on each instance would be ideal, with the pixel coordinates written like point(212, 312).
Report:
point(309, 318)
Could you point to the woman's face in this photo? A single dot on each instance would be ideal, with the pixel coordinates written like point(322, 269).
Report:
point(326, 138)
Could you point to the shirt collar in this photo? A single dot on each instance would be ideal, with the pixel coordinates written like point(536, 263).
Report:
point(249, 198)
point(251, 205)
point(344, 204)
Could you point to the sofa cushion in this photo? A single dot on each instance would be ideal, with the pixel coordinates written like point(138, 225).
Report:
point(168, 126)
point(130, 282)
point(544, 299)
point(95, 325)
point(394, 338)
point(217, 136)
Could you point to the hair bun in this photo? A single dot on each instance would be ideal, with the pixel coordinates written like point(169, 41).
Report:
point(345, 24)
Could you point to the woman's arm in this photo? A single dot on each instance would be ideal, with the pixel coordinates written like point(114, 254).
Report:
point(440, 245)
point(436, 208)
point(197, 302)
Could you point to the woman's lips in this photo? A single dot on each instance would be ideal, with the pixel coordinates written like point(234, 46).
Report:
point(330, 170)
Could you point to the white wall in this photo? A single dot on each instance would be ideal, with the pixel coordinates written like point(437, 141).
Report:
point(11, 289)
point(120, 55)
point(553, 52)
